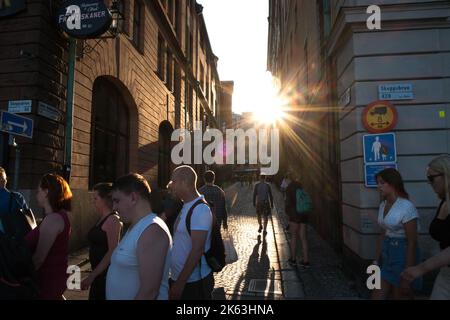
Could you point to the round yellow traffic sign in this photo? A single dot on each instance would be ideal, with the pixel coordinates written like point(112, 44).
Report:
point(380, 116)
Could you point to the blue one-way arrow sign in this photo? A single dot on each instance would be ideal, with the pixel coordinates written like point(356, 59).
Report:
point(16, 125)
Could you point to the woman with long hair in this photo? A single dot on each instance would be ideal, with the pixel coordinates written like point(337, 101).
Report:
point(438, 174)
point(49, 242)
point(397, 247)
point(298, 224)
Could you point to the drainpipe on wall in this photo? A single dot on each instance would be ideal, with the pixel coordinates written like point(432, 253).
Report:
point(69, 110)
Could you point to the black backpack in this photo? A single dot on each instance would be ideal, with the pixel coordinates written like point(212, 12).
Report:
point(17, 272)
point(215, 256)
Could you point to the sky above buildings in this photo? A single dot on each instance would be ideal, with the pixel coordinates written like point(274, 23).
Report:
point(238, 34)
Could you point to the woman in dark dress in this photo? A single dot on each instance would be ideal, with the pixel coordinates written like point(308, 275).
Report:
point(49, 242)
point(438, 174)
point(103, 239)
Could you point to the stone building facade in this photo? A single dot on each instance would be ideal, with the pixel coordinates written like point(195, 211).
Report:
point(331, 66)
point(131, 91)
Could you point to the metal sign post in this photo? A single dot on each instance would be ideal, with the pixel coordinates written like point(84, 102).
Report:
point(69, 110)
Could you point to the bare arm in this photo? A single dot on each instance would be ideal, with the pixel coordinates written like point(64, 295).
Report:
point(151, 253)
point(112, 227)
point(380, 246)
point(438, 261)
point(411, 236)
point(49, 229)
point(198, 247)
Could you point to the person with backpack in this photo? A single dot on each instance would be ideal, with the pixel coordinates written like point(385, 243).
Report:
point(49, 242)
point(215, 196)
point(17, 272)
point(191, 275)
point(10, 202)
point(298, 208)
point(139, 268)
point(103, 238)
point(263, 202)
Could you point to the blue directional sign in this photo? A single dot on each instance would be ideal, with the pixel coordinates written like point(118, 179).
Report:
point(16, 125)
point(379, 148)
point(370, 170)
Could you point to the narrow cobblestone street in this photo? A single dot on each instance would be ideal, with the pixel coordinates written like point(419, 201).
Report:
point(268, 260)
point(262, 271)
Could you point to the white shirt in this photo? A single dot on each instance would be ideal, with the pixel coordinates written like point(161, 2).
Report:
point(201, 220)
point(401, 212)
point(122, 280)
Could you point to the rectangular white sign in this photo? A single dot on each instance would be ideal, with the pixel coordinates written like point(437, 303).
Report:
point(48, 111)
point(396, 96)
point(345, 99)
point(401, 91)
point(20, 106)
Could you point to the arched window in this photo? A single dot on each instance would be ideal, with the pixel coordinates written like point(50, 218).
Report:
point(110, 133)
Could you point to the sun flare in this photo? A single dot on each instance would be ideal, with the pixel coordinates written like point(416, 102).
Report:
point(269, 104)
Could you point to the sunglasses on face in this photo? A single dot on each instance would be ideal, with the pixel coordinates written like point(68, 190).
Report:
point(432, 177)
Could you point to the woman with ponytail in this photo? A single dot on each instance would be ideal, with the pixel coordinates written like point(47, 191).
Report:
point(438, 174)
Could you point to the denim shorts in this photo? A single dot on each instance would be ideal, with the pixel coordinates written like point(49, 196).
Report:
point(393, 262)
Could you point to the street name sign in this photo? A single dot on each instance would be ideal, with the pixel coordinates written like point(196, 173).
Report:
point(20, 106)
point(346, 98)
point(371, 170)
point(48, 111)
point(395, 92)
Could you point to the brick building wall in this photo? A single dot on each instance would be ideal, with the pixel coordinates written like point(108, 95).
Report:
point(33, 66)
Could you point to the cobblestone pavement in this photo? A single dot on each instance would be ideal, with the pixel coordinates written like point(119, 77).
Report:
point(264, 259)
point(258, 257)
point(325, 278)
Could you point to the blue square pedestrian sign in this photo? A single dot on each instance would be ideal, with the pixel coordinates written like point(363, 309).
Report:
point(370, 171)
point(379, 148)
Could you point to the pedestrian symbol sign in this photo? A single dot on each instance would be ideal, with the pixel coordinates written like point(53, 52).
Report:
point(379, 148)
point(17, 125)
point(380, 152)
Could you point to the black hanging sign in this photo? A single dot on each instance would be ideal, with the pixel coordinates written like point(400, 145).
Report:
point(11, 7)
point(84, 18)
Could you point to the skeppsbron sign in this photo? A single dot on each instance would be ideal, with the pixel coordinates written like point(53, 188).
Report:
point(84, 19)
point(11, 7)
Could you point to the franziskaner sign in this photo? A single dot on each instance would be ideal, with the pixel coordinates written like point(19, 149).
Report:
point(84, 18)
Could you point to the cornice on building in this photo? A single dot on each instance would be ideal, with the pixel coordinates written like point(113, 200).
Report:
point(394, 17)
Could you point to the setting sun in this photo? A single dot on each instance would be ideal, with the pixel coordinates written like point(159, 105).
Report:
point(265, 102)
point(269, 108)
